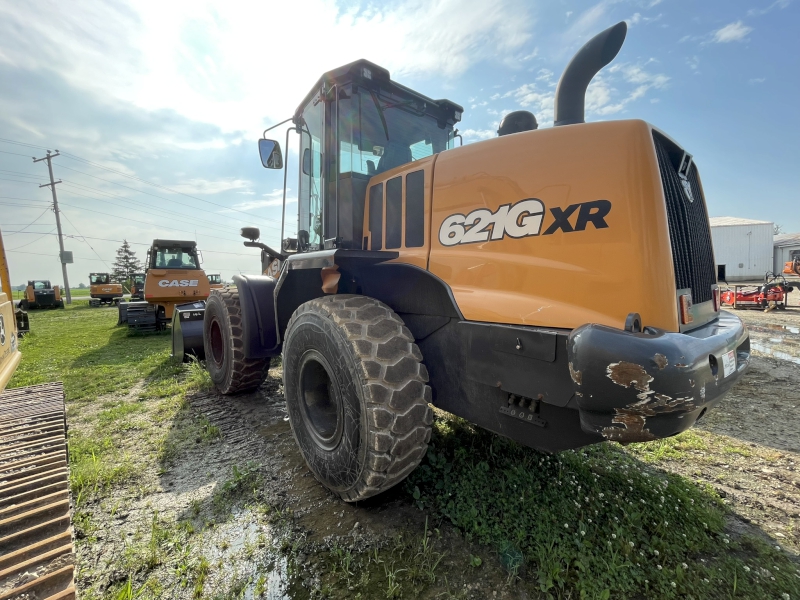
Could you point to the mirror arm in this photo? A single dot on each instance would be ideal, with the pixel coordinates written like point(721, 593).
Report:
point(264, 135)
point(272, 253)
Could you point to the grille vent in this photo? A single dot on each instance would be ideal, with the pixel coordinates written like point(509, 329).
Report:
point(689, 232)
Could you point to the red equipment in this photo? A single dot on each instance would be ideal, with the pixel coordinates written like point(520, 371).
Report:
point(772, 293)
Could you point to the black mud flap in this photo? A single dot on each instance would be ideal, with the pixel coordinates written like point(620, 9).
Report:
point(187, 331)
point(259, 325)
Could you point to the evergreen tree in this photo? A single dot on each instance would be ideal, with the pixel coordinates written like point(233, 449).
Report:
point(126, 264)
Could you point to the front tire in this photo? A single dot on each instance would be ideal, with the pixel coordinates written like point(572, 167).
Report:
point(230, 371)
point(356, 394)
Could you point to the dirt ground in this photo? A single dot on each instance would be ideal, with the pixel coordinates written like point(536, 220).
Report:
point(750, 453)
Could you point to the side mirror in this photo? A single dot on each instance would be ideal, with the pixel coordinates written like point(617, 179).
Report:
point(270, 152)
point(250, 233)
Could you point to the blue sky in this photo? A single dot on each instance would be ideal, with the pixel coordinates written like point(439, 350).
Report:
point(176, 93)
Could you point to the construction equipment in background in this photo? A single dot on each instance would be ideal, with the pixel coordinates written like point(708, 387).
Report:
point(36, 553)
point(773, 293)
point(792, 267)
point(422, 273)
point(173, 277)
point(103, 291)
point(137, 286)
point(187, 320)
point(41, 294)
point(215, 281)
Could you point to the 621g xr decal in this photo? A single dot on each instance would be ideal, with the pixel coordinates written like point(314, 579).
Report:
point(523, 219)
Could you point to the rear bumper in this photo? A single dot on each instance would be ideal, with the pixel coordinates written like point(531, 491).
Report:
point(635, 387)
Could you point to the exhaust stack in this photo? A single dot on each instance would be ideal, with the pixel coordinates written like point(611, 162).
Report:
point(595, 54)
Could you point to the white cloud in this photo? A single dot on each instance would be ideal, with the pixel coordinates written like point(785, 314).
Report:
point(204, 186)
point(757, 12)
point(478, 134)
point(634, 19)
point(757, 80)
point(733, 32)
point(226, 64)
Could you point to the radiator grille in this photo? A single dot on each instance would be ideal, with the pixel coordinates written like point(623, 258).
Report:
point(689, 233)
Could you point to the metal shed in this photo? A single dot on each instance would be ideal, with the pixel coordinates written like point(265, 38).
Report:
point(787, 247)
point(742, 248)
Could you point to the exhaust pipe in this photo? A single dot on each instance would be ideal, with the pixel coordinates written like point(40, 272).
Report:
point(595, 54)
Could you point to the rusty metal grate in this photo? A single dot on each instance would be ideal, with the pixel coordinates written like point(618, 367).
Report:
point(36, 553)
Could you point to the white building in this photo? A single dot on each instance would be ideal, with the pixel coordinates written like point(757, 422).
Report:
point(787, 247)
point(742, 248)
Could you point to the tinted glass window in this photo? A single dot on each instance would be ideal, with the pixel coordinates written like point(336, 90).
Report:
point(175, 258)
point(380, 132)
point(394, 212)
point(376, 216)
point(415, 209)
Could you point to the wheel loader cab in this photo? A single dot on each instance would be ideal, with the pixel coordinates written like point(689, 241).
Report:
point(173, 277)
point(556, 286)
point(356, 123)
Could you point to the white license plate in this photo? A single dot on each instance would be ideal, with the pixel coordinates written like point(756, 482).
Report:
point(728, 363)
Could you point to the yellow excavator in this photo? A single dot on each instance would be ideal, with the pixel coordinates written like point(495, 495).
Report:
point(103, 291)
point(424, 272)
point(36, 552)
point(173, 277)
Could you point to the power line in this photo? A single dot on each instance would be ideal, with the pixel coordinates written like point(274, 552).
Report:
point(147, 206)
point(161, 187)
point(34, 241)
point(84, 239)
point(34, 221)
point(48, 255)
point(136, 243)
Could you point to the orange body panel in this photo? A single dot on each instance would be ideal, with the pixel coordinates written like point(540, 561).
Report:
point(560, 279)
point(168, 287)
point(792, 267)
point(106, 290)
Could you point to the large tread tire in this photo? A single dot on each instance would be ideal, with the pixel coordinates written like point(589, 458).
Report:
point(230, 371)
point(376, 374)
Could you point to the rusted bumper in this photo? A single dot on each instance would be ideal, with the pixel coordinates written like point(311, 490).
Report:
point(635, 387)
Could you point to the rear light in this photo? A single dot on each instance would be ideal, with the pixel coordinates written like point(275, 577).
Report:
point(716, 298)
point(686, 308)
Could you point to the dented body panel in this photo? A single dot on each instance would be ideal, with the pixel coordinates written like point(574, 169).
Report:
point(635, 387)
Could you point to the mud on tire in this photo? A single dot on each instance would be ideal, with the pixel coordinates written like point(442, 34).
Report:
point(230, 371)
point(356, 394)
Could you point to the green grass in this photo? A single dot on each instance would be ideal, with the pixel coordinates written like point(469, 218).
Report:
point(79, 293)
point(84, 348)
point(126, 388)
point(593, 523)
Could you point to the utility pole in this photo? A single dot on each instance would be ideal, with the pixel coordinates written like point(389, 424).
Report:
point(52, 184)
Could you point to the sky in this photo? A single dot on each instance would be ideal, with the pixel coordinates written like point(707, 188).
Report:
point(156, 107)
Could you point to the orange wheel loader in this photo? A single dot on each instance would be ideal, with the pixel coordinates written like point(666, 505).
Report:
point(423, 274)
point(173, 277)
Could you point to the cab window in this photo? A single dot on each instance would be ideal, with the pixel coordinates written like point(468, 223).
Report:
point(175, 258)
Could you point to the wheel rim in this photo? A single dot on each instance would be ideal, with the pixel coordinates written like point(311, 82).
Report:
point(217, 345)
point(320, 405)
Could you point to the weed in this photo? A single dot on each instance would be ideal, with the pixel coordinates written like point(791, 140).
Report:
point(242, 482)
point(592, 523)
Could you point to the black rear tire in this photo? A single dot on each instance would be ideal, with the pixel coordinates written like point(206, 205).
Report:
point(356, 394)
point(230, 371)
